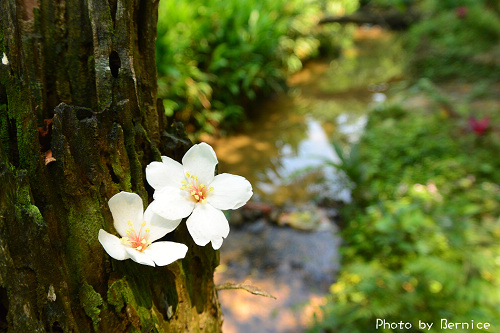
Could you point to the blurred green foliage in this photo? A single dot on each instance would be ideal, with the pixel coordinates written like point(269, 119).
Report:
point(456, 39)
point(214, 57)
point(422, 233)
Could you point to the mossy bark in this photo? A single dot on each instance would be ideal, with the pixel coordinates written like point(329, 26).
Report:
point(78, 80)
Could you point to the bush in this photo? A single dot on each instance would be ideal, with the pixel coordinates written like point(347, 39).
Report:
point(456, 39)
point(214, 57)
point(423, 233)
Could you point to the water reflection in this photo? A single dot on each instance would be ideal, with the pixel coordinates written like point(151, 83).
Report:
point(310, 153)
point(328, 101)
point(351, 126)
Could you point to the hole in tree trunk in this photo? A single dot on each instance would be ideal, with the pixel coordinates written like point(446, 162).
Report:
point(83, 113)
point(114, 63)
point(56, 327)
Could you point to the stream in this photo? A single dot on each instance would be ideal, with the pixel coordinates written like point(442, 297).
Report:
point(285, 240)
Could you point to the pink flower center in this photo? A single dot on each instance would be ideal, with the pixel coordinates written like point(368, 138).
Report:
point(137, 239)
point(198, 191)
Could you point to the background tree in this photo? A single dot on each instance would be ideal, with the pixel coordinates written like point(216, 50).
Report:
point(79, 122)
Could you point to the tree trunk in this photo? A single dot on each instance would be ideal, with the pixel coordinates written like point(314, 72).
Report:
point(78, 85)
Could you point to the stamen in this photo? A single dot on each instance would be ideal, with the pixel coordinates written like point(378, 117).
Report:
point(148, 230)
point(143, 224)
point(127, 231)
point(129, 223)
point(143, 241)
point(198, 191)
point(138, 248)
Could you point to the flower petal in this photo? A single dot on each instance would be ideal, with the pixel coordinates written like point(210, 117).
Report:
point(230, 191)
point(172, 204)
point(168, 173)
point(207, 223)
point(126, 206)
point(164, 253)
point(200, 161)
point(217, 243)
point(113, 245)
point(140, 257)
point(158, 225)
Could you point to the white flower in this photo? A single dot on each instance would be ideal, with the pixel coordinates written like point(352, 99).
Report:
point(192, 188)
point(139, 230)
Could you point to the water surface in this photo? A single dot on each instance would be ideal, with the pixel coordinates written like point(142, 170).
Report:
point(292, 132)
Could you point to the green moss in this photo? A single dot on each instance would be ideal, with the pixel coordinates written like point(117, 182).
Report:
point(24, 208)
point(34, 213)
point(23, 140)
point(2, 46)
point(120, 294)
point(135, 163)
point(83, 223)
point(23, 196)
point(119, 161)
point(146, 318)
point(20, 109)
point(4, 128)
point(91, 302)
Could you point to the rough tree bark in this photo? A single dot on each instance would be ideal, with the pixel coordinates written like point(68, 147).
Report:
point(78, 80)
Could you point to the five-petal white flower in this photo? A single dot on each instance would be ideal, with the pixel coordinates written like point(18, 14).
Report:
point(192, 188)
point(139, 230)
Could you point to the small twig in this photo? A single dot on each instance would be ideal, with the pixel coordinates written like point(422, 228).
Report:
point(251, 289)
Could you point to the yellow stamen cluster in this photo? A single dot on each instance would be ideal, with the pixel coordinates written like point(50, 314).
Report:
point(138, 241)
point(199, 192)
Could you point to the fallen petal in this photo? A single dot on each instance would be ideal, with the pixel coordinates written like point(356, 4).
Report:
point(48, 157)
